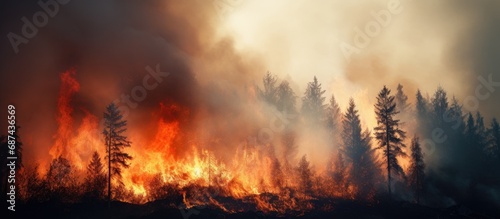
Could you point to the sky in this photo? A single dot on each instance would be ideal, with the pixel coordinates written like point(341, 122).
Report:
point(420, 44)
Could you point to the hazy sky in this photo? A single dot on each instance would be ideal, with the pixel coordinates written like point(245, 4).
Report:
point(421, 44)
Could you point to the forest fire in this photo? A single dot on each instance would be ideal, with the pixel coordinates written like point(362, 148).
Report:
point(201, 109)
point(158, 163)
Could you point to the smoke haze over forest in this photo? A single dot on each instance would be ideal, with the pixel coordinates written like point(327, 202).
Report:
point(207, 61)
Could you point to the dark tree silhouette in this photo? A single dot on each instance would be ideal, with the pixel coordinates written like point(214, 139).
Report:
point(313, 101)
point(416, 175)
point(494, 139)
point(481, 132)
point(60, 180)
point(470, 129)
point(269, 93)
point(358, 153)
point(421, 106)
point(388, 134)
point(59, 172)
point(95, 179)
point(334, 120)
point(33, 188)
point(439, 104)
point(286, 98)
point(115, 141)
point(305, 176)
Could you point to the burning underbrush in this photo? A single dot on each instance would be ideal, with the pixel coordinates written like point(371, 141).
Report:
point(177, 167)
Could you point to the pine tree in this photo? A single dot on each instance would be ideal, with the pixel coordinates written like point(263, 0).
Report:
point(421, 106)
point(439, 104)
point(305, 176)
point(358, 153)
point(115, 141)
point(481, 132)
point(60, 180)
point(470, 131)
point(401, 100)
point(313, 101)
point(286, 98)
point(334, 119)
point(455, 115)
point(389, 135)
point(269, 93)
point(416, 174)
point(95, 179)
point(494, 139)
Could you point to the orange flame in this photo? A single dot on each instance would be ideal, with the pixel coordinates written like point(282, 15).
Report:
point(69, 86)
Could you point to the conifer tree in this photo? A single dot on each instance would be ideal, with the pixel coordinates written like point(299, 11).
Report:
point(416, 174)
point(389, 135)
point(115, 142)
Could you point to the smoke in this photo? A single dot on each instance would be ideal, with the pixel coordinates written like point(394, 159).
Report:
point(215, 60)
point(111, 44)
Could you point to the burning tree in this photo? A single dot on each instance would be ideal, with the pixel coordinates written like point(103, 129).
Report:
point(358, 153)
point(305, 176)
point(95, 180)
point(388, 133)
point(60, 179)
point(116, 141)
point(416, 174)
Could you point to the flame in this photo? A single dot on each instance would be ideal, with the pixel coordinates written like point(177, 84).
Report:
point(69, 86)
point(196, 172)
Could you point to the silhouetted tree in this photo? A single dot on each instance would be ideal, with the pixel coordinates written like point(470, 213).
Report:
point(60, 180)
point(305, 176)
point(95, 179)
point(481, 132)
point(439, 104)
point(33, 188)
point(358, 153)
point(313, 101)
point(416, 175)
point(269, 93)
point(494, 139)
point(455, 117)
point(334, 120)
point(286, 98)
point(421, 106)
point(389, 135)
point(470, 131)
point(115, 141)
